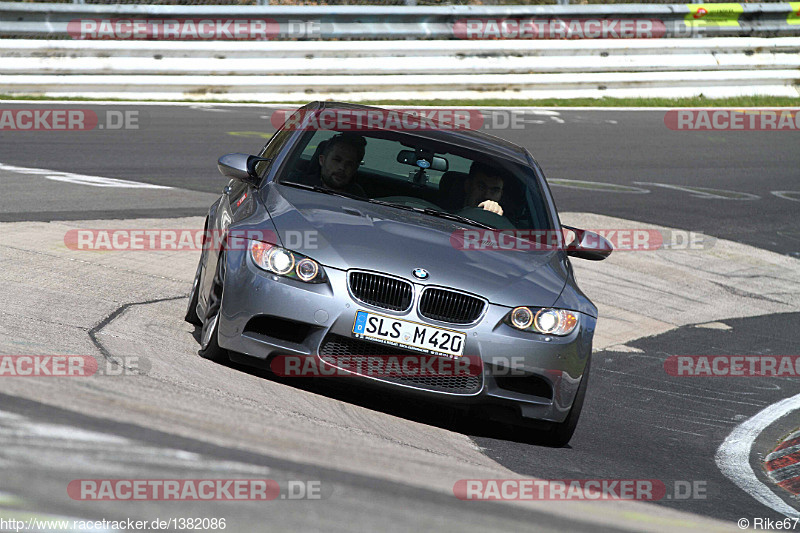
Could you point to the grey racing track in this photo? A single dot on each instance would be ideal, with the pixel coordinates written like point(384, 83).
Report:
point(637, 424)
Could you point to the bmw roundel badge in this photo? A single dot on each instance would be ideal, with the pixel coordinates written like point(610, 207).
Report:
point(420, 273)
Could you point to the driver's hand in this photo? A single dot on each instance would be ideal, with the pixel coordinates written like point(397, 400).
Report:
point(491, 205)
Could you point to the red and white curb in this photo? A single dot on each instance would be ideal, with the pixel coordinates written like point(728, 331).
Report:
point(733, 455)
point(783, 464)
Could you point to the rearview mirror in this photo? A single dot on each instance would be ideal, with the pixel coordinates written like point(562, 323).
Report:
point(588, 245)
point(241, 167)
point(410, 157)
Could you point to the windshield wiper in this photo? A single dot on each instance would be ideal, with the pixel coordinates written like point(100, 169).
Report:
point(425, 210)
point(392, 204)
point(452, 216)
point(435, 213)
point(325, 190)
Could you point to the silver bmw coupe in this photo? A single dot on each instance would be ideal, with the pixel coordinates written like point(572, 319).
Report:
point(417, 255)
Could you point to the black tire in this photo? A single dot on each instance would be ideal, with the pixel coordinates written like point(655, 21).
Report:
point(191, 311)
point(560, 434)
point(209, 345)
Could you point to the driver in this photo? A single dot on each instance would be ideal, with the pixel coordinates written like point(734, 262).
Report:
point(483, 188)
point(339, 162)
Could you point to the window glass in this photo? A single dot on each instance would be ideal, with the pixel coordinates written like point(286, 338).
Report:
point(417, 173)
point(271, 149)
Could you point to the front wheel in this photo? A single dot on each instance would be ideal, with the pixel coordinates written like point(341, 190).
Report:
point(209, 345)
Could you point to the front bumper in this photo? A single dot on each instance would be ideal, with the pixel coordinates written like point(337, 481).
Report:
point(546, 369)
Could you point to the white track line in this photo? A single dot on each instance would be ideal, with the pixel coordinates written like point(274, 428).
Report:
point(733, 456)
point(81, 179)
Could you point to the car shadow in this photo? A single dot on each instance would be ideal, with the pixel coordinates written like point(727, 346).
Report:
point(424, 411)
point(466, 421)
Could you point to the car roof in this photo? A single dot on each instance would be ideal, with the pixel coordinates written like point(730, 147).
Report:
point(465, 138)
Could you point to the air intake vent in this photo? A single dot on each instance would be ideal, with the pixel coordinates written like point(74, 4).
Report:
point(381, 291)
point(449, 306)
point(350, 354)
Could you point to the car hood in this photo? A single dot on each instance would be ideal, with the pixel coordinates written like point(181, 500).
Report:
point(349, 234)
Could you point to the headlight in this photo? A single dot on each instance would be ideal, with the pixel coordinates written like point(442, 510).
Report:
point(283, 262)
point(546, 321)
point(521, 318)
point(280, 261)
point(307, 269)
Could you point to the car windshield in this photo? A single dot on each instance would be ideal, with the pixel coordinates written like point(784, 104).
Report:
point(413, 173)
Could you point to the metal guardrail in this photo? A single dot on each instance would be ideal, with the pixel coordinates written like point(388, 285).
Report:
point(298, 71)
point(51, 20)
point(444, 52)
point(344, 58)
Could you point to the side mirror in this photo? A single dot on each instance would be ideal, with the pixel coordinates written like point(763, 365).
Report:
point(588, 245)
point(241, 167)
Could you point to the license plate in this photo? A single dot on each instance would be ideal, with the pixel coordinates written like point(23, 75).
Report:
point(407, 334)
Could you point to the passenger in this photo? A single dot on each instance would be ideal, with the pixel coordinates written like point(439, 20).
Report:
point(484, 188)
